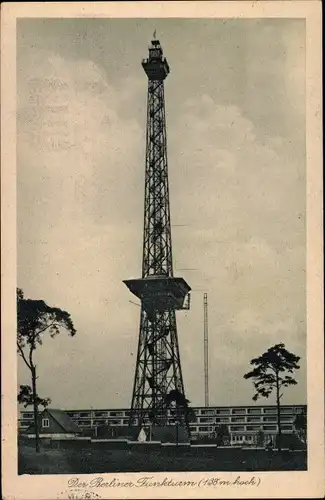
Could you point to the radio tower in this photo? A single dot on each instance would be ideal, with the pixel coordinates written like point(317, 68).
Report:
point(158, 382)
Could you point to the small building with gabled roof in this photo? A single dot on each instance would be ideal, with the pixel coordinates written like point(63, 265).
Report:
point(54, 423)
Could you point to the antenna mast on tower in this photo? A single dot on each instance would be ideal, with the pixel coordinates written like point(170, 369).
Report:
point(206, 351)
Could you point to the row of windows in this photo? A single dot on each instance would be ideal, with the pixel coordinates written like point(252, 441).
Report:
point(88, 414)
point(283, 418)
point(206, 428)
point(244, 419)
point(104, 421)
point(242, 428)
point(203, 412)
point(246, 411)
point(238, 437)
point(242, 438)
point(201, 420)
point(198, 411)
point(88, 423)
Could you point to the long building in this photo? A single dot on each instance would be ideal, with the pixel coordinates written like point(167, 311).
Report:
point(243, 422)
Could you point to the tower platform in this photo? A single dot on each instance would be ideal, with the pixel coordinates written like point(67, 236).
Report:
point(160, 293)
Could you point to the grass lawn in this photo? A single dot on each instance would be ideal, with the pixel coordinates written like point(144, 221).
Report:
point(89, 459)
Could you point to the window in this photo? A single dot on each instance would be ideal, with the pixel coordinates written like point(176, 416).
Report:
point(84, 414)
point(286, 409)
point(45, 422)
point(222, 419)
point(223, 411)
point(101, 413)
point(206, 420)
point(238, 419)
point(84, 423)
point(27, 415)
point(238, 411)
point(252, 427)
point(286, 427)
point(253, 419)
point(254, 411)
point(237, 428)
point(299, 409)
point(99, 422)
point(269, 427)
point(269, 419)
point(286, 418)
point(114, 422)
point(207, 412)
point(116, 413)
point(203, 429)
point(269, 411)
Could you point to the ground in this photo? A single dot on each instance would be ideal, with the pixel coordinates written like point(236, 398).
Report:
point(89, 459)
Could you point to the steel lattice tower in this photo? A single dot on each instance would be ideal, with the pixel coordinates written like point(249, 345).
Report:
point(158, 373)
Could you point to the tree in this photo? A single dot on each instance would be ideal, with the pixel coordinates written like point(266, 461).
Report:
point(300, 425)
point(222, 434)
point(260, 438)
point(25, 397)
point(271, 373)
point(35, 319)
point(182, 411)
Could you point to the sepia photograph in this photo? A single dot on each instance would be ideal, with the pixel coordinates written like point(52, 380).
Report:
point(161, 255)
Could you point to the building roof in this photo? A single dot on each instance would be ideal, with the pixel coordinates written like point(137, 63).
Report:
point(61, 417)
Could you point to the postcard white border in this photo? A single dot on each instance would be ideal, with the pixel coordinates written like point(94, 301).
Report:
point(306, 484)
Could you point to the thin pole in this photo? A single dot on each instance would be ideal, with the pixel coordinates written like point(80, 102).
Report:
point(206, 351)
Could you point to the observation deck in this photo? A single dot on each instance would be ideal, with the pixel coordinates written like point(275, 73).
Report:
point(160, 293)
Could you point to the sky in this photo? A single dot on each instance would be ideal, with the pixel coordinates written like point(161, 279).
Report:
point(235, 110)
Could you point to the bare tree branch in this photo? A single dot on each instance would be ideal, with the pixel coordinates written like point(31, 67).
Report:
point(49, 326)
point(23, 355)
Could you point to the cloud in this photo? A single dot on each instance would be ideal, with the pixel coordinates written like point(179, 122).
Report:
point(77, 165)
point(242, 203)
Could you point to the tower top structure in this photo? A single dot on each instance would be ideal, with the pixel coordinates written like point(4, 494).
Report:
point(156, 65)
